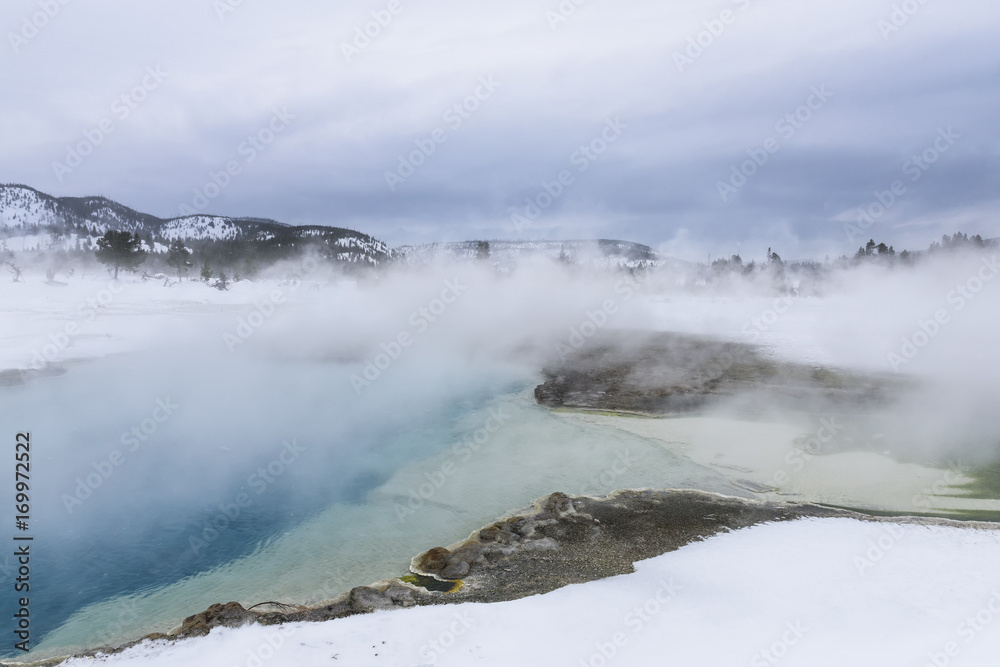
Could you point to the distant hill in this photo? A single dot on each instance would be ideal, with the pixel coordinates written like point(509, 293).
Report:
point(35, 217)
point(41, 221)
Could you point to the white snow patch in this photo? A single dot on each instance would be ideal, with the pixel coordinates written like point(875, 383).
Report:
point(815, 592)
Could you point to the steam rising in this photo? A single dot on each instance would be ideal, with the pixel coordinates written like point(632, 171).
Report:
point(309, 389)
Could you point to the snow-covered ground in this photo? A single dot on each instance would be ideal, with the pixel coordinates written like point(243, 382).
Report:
point(815, 592)
point(857, 593)
point(90, 316)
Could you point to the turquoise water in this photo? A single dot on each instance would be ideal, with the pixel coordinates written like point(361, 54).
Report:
point(164, 483)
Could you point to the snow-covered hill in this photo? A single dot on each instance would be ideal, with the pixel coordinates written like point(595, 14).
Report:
point(28, 214)
point(30, 219)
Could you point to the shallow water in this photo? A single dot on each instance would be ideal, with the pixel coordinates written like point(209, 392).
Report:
point(277, 481)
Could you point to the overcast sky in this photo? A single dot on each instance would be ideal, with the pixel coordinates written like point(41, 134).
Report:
point(671, 98)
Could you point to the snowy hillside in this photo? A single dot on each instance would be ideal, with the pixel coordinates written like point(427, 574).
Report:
point(27, 214)
point(30, 219)
point(214, 228)
point(23, 210)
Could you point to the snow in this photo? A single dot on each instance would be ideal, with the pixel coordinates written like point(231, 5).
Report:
point(200, 227)
point(105, 317)
point(868, 593)
point(22, 207)
point(815, 592)
point(26, 217)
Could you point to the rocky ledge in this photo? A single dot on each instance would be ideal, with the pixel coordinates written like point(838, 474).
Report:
point(668, 374)
point(560, 540)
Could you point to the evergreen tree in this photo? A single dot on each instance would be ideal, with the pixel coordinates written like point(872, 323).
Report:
point(179, 256)
point(206, 271)
point(120, 250)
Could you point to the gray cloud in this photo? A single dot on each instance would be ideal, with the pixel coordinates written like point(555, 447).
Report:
point(656, 184)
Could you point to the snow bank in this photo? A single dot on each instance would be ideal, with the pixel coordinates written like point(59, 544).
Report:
point(814, 592)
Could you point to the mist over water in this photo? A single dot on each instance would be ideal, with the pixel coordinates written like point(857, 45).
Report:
point(196, 449)
point(244, 453)
point(225, 455)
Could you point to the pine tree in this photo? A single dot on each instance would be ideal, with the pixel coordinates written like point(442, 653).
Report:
point(120, 250)
point(206, 271)
point(179, 256)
